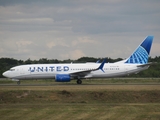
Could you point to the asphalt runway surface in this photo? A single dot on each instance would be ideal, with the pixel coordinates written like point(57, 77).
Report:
point(115, 84)
point(85, 87)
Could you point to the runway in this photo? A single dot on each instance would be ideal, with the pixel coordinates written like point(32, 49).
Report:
point(85, 87)
point(115, 84)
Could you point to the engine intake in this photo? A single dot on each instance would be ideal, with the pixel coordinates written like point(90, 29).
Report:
point(62, 78)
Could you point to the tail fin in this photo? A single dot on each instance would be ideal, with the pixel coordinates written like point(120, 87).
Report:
point(141, 54)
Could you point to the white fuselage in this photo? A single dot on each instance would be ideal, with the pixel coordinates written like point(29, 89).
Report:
point(49, 71)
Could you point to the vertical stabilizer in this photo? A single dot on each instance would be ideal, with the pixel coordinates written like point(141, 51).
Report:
point(141, 54)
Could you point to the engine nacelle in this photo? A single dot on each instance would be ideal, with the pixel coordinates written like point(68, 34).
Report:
point(62, 78)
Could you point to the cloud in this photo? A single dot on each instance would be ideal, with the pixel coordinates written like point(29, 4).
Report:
point(69, 29)
point(76, 54)
point(73, 54)
point(58, 42)
point(51, 44)
point(83, 40)
point(155, 49)
point(32, 21)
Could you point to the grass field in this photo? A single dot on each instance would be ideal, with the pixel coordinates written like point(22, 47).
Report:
point(66, 101)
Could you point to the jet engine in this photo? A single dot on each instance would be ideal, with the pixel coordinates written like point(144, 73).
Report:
point(62, 78)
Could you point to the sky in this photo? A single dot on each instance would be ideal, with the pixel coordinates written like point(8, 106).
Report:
point(70, 29)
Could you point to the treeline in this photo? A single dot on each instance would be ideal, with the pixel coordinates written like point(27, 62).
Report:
point(7, 63)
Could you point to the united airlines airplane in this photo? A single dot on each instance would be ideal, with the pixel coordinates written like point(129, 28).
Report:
point(137, 62)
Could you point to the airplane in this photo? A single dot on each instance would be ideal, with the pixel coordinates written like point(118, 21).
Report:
point(138, 61)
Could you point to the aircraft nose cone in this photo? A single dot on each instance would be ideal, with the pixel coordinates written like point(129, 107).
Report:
point(5, 74)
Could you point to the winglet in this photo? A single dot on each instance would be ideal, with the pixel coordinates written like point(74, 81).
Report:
point(98, 61)
point(102, 64)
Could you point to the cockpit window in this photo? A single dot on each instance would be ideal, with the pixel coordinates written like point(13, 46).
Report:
point(12, 69)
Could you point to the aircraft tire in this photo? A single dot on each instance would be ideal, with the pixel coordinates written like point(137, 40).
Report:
point(79, 81)
point(18, 82)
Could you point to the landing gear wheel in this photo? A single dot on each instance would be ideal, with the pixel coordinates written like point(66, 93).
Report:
point(18, 82)
point(79, 81)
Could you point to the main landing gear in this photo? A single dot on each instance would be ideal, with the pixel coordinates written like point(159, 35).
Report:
point(79, 81)
point(18, 82)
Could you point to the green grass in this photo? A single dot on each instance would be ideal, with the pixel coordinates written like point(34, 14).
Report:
point(82, 96)
point(79, 104)
point(80, 111)
point(89, 101)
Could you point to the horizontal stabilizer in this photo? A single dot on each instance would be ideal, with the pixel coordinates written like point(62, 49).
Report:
point(148, 64)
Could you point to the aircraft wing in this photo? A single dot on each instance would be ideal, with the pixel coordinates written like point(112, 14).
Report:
point(80, 73)
point(86, 72)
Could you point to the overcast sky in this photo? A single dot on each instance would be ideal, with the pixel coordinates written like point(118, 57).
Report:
point(70, 29)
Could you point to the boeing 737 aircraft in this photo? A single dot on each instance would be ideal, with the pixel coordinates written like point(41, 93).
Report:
point(137, 62)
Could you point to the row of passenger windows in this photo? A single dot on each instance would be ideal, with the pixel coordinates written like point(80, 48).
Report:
point(83, 69)
point(111, 68)
point(93, 69)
